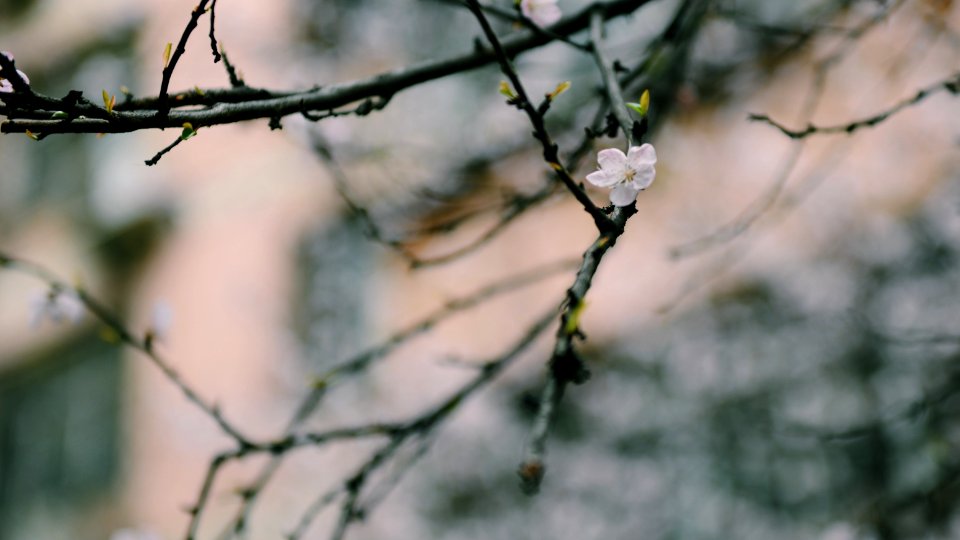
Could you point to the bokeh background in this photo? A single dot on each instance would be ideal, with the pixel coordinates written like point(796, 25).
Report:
point(773, 342)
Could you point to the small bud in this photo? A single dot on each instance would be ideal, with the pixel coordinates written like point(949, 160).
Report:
point(167, 50)
point(644, 102)
point(561, 88)
point(31, 134)
point(506, 90)
point(644, 106)
point(188, 131)
point(161, 320)
point(57, 306)
point(109, 101)
point(531, 475)
point(109, 335)
point(573, 318)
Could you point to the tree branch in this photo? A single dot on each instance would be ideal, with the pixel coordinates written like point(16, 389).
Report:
point(950, 84)
point(225, 106)
point(143, 344)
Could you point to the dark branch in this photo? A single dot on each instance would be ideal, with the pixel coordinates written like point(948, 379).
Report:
point(213, 33)
point(950, 84)
point(550, 149)
point(225, 106)
point(171, 65)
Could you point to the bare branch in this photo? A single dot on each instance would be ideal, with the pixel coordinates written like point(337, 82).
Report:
point(362, 361)
point(171, 64)
point(418, 428)
point(550, 149)
point(143, 344)
point(950, 84)
point(225, 106)
point(610, 85)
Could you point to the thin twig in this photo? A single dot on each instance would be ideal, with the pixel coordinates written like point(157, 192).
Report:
point(126, 336)
point(550, 149)
point(420, 427)
point(516, 16)
point(362, 361)
point(610, 85)
point(766, 201)
point(565, 364)
point(213, 36)
point(276, 448)
point(156, 158)
point(162, 97)
point(950, 84)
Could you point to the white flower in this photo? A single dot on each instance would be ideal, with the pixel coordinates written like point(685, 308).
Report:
point(628, 174)
point(57, 306)
point(5, 86)
point(161, 319)
point(541, 12)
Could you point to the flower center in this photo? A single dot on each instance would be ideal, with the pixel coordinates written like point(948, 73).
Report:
point(629, 174)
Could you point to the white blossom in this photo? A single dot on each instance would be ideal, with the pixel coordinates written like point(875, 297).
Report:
point(161, 319)
point(541, 12)
point(628, 174)
point(57, 306)
point(5, 86)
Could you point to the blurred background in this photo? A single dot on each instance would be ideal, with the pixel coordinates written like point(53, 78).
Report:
point(773, 342)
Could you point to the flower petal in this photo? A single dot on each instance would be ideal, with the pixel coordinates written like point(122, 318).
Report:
point(603, 178)
point(547, 15)
point(612, 160)
point(623, 195)
point(643, 177)
point(541, 12)
point(640, 156)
